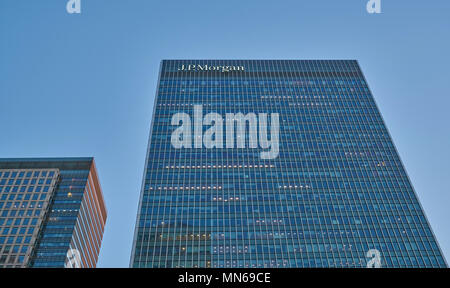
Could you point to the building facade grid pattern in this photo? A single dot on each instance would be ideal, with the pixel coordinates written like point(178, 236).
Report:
point(336, 190)
point(24, 199)
point(70, 230)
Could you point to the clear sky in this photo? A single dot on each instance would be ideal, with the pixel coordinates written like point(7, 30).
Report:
point(84, 85)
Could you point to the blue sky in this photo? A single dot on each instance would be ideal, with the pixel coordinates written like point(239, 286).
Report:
point(84, 85)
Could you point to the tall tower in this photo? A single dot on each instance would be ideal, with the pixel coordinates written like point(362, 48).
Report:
point(281, 163)
point(52, 213)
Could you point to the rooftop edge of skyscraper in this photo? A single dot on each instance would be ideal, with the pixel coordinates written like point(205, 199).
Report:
point(80, 201)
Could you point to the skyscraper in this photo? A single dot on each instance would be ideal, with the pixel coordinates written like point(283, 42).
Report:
point(280, 163)
point(52, 213)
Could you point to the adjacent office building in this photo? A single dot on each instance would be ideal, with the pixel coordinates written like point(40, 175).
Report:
point(52, 213)
point(275, 164)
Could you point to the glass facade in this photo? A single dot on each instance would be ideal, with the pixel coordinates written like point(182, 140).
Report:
point(335, 190)
point(62, 202)
point(24, 198)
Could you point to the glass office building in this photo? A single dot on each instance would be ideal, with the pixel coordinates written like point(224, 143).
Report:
point(334, 190)
point(52, 213)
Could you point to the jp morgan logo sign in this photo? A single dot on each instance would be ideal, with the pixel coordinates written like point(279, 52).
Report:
point(206, 67)
point(189, 134)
